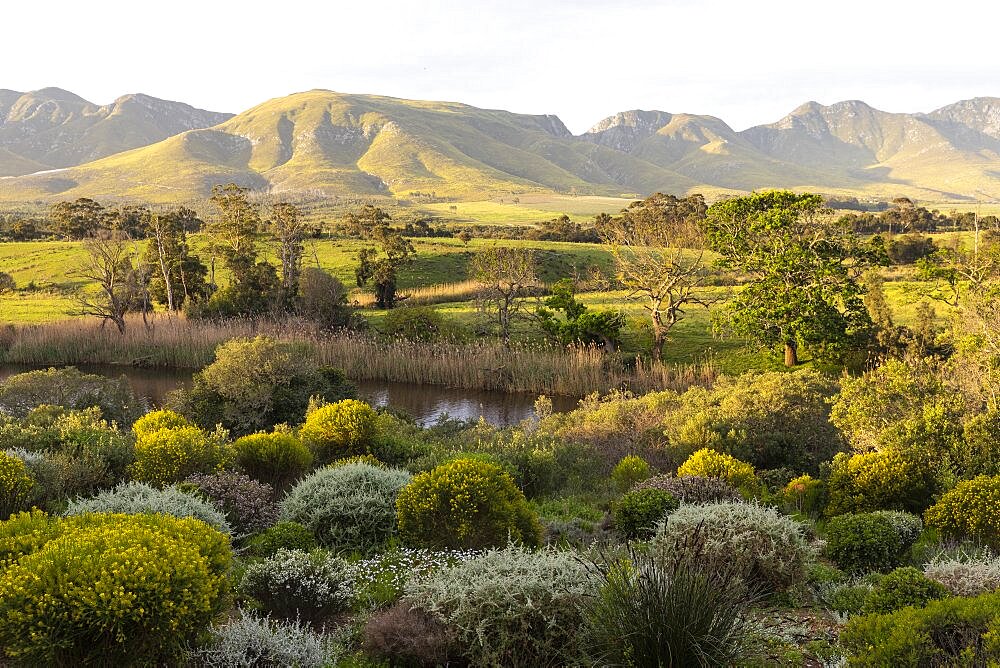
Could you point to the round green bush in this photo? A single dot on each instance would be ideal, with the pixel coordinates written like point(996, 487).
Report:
point(157, 420)
point(278, 458)
point(970, 510)
point(134, 498)
point(16, 485)
point(113, 590)
point(638, 512)
point(766, 547)
point(863, 542)
point(170, 455)
point(901, 588)
point(630, 471)
point(339, 430)
point(712, 464)
point(466, 504)
point(281, 536)
point(350, 507)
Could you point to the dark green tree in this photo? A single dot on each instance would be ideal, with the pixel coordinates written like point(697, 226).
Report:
point(78, 219)
point(381, 264)
point(578, 323)
point(289, 231)
point(804, 269)
point(178, 276)
point(366, 220)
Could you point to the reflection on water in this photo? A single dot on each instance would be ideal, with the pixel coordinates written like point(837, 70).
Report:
point(424, 403)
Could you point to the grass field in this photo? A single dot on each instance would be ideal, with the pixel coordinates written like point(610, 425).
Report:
point(530, 209)
point(44, 272)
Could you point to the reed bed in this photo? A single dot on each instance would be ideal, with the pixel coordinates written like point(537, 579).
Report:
point(482, 365)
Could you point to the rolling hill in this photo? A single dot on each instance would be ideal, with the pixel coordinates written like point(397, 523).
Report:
point(319, 144)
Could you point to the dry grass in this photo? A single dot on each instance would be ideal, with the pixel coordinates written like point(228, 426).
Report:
point(486, 365)
point(431, 294)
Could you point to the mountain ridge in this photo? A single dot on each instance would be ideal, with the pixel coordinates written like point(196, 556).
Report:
point(321, 143)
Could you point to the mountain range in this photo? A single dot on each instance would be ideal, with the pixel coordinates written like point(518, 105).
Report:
point(55, 145)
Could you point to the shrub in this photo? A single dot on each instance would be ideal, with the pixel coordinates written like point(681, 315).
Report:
point(903, 587)
point(43, 470)
point(157, 420)
point(771, 420)
point(679, 611)
point(804, 494)
point(293, 584)
point(22, 393)
point(17, 486)
point(712, 464)
point(168, 456)
point(281, 536)
point(629, 472)
point(765, 546)
point(135, 498)
point(509, 607)
point(848, 597)
point(255, 384)
point(340, 430)
point(415, 323)
point(969, 510)
point(380, 579)
point(465, 504)
point(969, 577)
point(948, 632)
point(861, 542)
point(408, 636)
point(278, 458)
point(638, 512)
point(323, 298)
point(80, 598)
point(349, 507)
point(249, 505)
point(693, 488)
point(889, 479)
point(258, 641)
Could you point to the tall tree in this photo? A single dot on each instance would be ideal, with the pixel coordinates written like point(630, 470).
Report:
point(366, 220)
point(289, 230)
point(505, 276)
point(234, 231)
point(381, 264)
point(659, 253)
point(178, 276)
point(804, 267)
point(109, 264)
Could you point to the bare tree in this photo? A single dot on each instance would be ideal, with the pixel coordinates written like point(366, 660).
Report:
point(659, 253)
point(506, 275)
point(109, 264)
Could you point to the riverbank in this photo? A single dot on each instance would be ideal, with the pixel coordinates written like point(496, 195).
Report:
point(178, 343)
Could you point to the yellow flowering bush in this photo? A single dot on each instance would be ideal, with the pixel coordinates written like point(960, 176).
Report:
point(278, 458)
point(157, 420)
point(803, 494)
point(970, 510)
point(111, 589)
point(890, 479)
point(16, 485)
point(465, 504)
point(170, 455)
point(712, 464)
point(340, 430)
point(630, 471)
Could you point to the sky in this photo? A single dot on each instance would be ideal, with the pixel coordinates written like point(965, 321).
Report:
point(745, 62)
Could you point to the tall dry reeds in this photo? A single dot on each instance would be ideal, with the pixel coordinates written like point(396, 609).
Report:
point(482, 365)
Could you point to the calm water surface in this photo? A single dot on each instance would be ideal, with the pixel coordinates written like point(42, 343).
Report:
point(425, 403)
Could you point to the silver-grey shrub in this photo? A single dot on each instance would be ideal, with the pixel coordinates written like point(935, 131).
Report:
point(966, 576)
point(133, 498)
point(252, 641)
point(347, 507)
point(510, 606)
point(294, 584)
point(768, 548)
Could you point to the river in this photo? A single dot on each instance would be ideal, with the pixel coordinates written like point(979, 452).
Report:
point(425, 403)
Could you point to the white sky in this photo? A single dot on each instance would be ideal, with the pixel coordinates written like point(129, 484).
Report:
point(744, 61)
